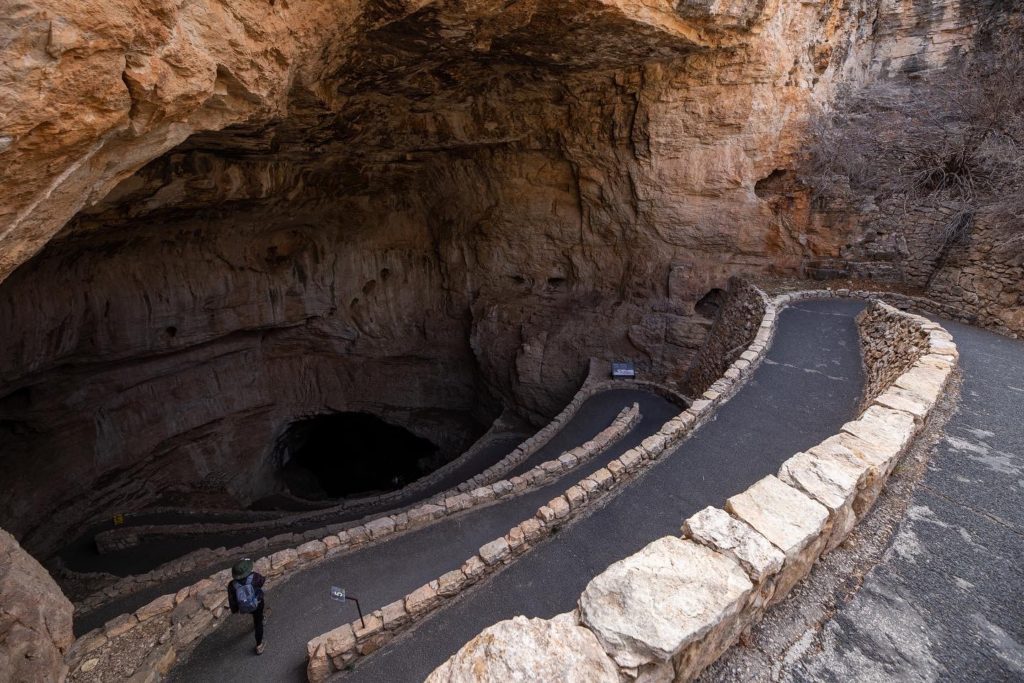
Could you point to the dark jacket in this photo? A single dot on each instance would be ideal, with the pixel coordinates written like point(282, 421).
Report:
point(257, 582)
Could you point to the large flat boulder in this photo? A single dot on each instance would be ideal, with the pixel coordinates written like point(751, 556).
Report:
point(658, 604)
point(795, 523)
point(521, 649)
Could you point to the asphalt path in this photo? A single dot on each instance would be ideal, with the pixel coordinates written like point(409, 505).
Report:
point(808, 386)
point(593, 416)
point(945, 601)
point(384, 572)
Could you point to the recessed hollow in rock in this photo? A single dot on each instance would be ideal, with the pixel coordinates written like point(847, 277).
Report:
point(343, 454)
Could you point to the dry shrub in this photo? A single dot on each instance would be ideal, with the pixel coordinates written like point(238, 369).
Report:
point(953, 138)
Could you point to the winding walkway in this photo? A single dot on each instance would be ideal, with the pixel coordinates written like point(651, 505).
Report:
point(808, 386)
point(945, 601)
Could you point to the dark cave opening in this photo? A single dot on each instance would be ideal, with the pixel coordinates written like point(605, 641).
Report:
point(349, 454)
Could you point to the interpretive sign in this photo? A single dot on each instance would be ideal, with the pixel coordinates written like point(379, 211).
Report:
point(623, 370)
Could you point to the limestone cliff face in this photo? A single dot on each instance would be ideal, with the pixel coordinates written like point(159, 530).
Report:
point(35, 618)
point(259, 210)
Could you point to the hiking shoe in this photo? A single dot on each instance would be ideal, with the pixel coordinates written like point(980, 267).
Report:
point(259, 648)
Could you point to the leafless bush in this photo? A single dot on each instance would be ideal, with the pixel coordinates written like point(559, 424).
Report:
point(952, 139)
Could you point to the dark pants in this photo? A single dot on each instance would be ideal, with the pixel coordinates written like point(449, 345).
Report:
point(257, 622)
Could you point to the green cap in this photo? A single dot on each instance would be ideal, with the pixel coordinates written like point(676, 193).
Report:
point(242, 569)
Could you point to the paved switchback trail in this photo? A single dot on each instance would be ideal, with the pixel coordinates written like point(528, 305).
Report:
point(808, 386)
point(945, 601)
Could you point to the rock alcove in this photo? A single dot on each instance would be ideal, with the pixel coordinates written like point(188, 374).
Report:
point(341, 455)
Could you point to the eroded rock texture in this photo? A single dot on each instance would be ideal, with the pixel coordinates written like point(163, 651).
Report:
point(35, 618)
point(429, 211)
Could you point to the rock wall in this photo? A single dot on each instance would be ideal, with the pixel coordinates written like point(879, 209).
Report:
point(35, 618)
point(734, 328)
point(890, 344)
point(257, 211)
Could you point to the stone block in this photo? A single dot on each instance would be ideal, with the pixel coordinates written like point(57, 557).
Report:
point(451, 583)
point(423, 514)
point(516, 539)
point(560, 507)
point(532, 530)
point(720, 531)
point(576, 496)
point(495, 552)
point(340, 640)
point(545, 514)
point(522, 649)
point(474, 568)
point(283, 559)
point(833, 482)
point(502, 487)
point(926, 381)
point(318, 666)
point(896, 398)
point(422, 600)
point(603, 478)
point(567, 461)
point(654, 445)
point(617, 469)
point(652, 606)
point(357, 536)
point(631, 460)
point(890, 429)
point(380, 527)
point(481, 495)
point(162, 605)
point(311, 550)
point(394, 614)
point(455, 503)
point(374, 624)
point(797, 525)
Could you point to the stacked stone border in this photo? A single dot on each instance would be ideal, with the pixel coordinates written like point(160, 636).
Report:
point(343, 646)
point(180, 619)
point(729, 566)
point(128, 537)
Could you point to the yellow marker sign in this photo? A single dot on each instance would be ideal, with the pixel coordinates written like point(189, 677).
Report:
point(118, 519)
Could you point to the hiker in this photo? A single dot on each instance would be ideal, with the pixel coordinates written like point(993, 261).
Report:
point(245, 595)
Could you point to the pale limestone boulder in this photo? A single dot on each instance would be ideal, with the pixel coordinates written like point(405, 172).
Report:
point(797, 525)
point(720, 531)
point(925, 380)
point(35, 618)
point(658, 603)
point(522, 649)
point(761, 560)
point(833, 482)
point(896, 398)
point(891, 429)
point(876, 460)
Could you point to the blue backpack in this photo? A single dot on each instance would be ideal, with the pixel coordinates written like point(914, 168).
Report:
point(245, 596)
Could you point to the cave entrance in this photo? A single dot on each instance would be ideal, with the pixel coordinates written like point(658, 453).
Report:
point(350, 454)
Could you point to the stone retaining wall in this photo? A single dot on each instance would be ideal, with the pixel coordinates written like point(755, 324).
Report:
point(890, 343)
point(670, 610)
point(341, 647)
point(733, 329)
point(124, 538)
point(177, 620)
